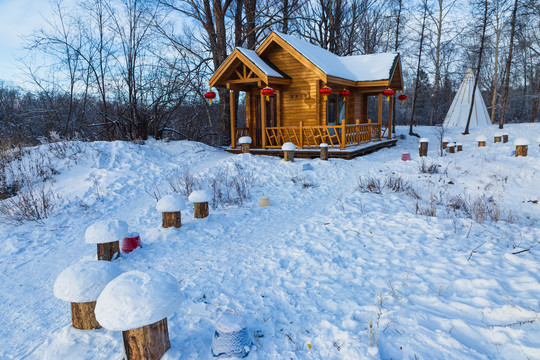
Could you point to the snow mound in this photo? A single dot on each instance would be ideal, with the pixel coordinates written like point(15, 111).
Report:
point(171, 203)
point(244, 140)
point(200, 196)
point(106, 231)
point(83, 282)
point(446, 139)
point(324, 145)
point(451, 144)
point(231, 337)
point(521, 142)
point(538, 140)
point(135, 299)
point(481, 138)
point(498, 134)
point(459, 144)
point(424, 140)
point(288, 146)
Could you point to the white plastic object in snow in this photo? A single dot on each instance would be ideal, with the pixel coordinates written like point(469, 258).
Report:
point(323, 145)
point(84, 281)
point(481, 138)
point(136, 299)
point(106, 231)
point(231, 338)
point(288, 146)
point(521, 142)
point(200, 196)
point(424, 140)
point(244, 140)
point(446, 139)
point(171, 203)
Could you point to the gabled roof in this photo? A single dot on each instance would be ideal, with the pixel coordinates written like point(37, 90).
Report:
point(265, 66)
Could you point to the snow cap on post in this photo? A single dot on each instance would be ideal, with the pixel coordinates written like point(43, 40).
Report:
point(136, 299)
point(288, 146)
point(200, 196)
point(323, 145)
point(244, 140)
point(83, 282)
point(106, 231)
point(424, 140)
point(481, 138)
point(171, 203)
point(521, 142)
point(447, 139)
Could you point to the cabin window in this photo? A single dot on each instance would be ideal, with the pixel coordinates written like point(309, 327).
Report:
point(335, 110)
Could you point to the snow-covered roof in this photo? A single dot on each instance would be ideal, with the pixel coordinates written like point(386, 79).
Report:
point(260, 63)
point(135, 299)
point(171, 203)
point(355, 68)
point(84, 281)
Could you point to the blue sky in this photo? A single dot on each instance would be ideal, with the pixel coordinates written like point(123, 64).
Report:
point(17, 18)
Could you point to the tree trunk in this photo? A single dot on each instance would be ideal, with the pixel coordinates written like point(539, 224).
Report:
point(149, 342)
point(396, 45)
point(172, 219)
point(107, 251)
point(418, 72)
point(82, 316)
point(201, 210)
point(496, 66)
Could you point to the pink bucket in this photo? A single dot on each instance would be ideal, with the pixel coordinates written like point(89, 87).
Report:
point(131, 242)
point(406, 157)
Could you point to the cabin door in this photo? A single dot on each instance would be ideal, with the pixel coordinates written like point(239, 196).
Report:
point(271, 117)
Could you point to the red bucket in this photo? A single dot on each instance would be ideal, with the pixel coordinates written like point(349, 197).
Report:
point(406, 157)
point(131, 242)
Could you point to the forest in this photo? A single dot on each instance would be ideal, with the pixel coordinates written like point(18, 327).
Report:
point(130, 69)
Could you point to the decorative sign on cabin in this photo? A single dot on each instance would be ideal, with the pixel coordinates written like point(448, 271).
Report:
point(299, 96)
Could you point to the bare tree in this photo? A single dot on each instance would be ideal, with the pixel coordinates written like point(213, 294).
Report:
point(418, 70)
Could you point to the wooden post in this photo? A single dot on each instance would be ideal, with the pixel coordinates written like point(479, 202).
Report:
point(245, 148)
point(452, 148)
point(343, 137)
point(369, 127)
point(263, 121)
point(250, 122)
point(423, 148)
point(521, 150)
point(444, 144)
point(233, 120)
point(172, 219)
point(390, 110)
point(481, 143)
point(358, 132)
point(505, 138)
point(106, 251)
point(379, 116)
point(459, 147)
point(497, 139)
point(301, 135)
point(201, 210)
point(288, 155)
point(82, 316)
point(324, 153)
point(149, 342)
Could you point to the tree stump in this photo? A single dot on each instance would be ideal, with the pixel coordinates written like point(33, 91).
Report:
point(505, 138)
point(149, 342)
point(288, 155)
point(459, 147)
point(172, 219)
point(444, 145)
point(497, 139)
point(107, 251)
point(452, 149)
point(521, 150)
point(481, 144)
point(201, 210)
point(423, 148)
point(82, 316)
point(245, 148)
point(324, 153)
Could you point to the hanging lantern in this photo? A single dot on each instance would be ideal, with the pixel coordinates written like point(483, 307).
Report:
point(344, 93)
point(402, 98)
point(210, 95)
point(267, 91)
point(388, 93)
point(325, 91)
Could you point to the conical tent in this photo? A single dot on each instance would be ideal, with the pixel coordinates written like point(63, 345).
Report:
point(461, 105)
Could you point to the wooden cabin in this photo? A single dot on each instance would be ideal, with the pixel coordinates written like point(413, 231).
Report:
point(297, 112)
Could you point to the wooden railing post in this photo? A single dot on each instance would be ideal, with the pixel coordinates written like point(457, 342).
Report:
point(370, 130)
point(357, 132)
point(390, 110)
point(343, 137)
point(263, 120)
point(233, 120)
point(301, 135)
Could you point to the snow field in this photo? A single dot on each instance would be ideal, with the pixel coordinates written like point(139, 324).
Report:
point(315, 268)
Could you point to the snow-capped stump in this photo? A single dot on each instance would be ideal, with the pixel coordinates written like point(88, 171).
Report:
point(138, 304)
point(521, 146)
point(245, 142)
point(324, 151)
point(288, 151)
point(107, 235)
point(171, 207)
point(200, 199)
point(445, 142)
point(131, 242)
point(81, 285)
point(481, 139)
point(231, 338)
point(423, 148)
point(504, 137)
point(459, 147)
point(451, 147)
point(497, 137)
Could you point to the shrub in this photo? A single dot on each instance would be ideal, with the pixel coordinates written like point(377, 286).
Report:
point(34, 202)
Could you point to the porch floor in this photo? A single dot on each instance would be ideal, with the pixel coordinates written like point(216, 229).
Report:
point(348, 154)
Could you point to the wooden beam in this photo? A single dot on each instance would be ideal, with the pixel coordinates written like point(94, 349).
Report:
point(263, 121)
point(243, 81)
point(233, 120)
point(237, 87)
point(390, 109)
point(318, 105)
point(278, 107)
point(251, 127)
point(379, 113)
point(279, 81)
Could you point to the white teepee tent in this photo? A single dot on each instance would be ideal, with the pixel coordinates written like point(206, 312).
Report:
point(461, 105)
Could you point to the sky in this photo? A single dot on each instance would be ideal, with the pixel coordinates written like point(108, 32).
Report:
point(17, 19)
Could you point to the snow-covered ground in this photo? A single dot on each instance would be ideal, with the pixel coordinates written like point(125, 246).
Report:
point(430, 268)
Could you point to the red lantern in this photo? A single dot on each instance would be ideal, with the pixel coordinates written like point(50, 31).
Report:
point(344, 93)
point(325, 91)
point(210, 95)
point(267, 91)
point(402, 98)
point(388, 93)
